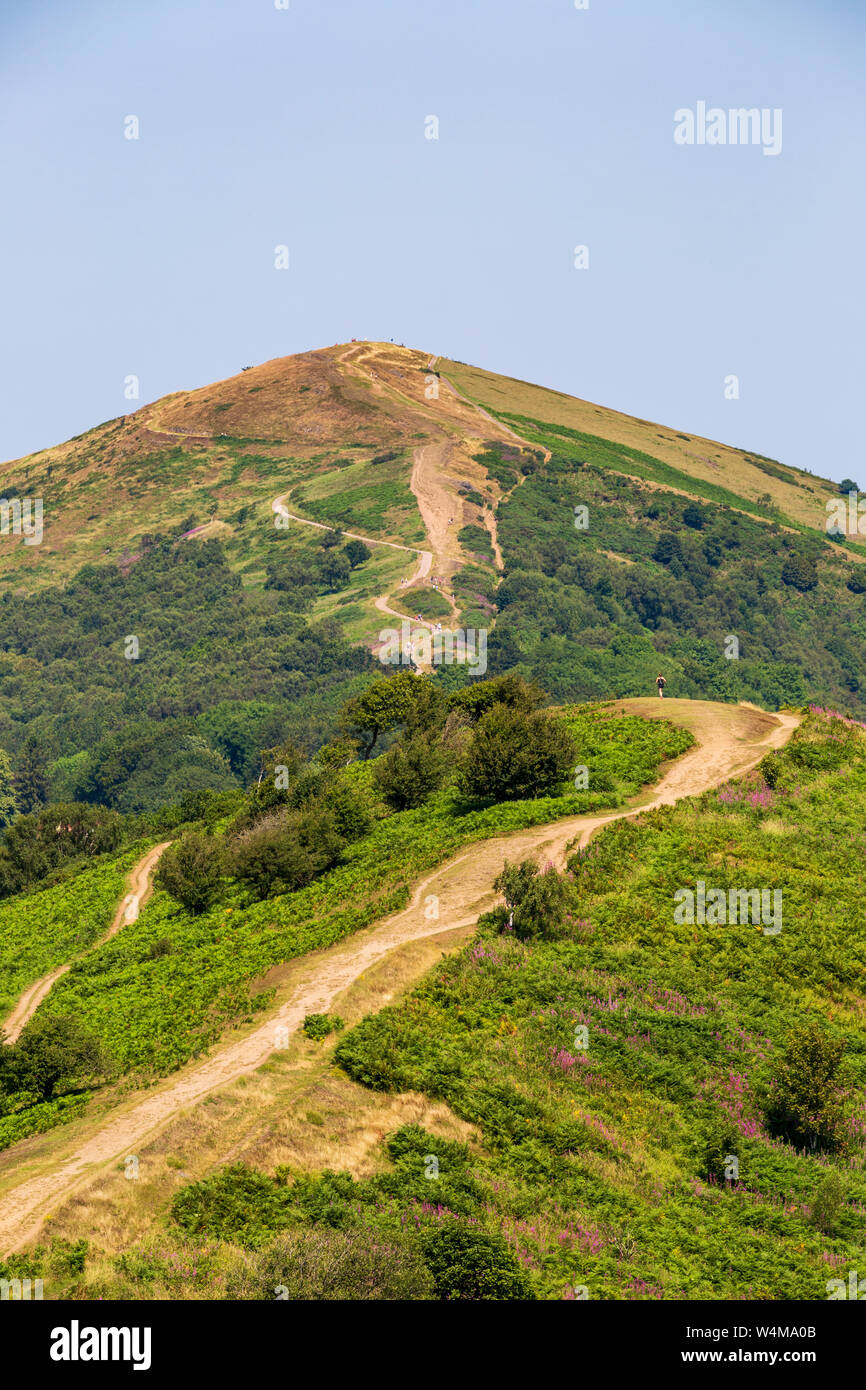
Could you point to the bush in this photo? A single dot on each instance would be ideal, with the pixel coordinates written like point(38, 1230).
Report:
point(356, 552)
point(191, 871)
point(800, 572)
point(470, 1264)
point(409, 772)
point(51, 1048)
point(326, 1265)
point(236, 1204)
point(716, 1139)
point(513, 756)
point(770, 768)
point(286, 852)
point(162, 947)
point(828, 1202)
point(667, 548)
point(318, 1026)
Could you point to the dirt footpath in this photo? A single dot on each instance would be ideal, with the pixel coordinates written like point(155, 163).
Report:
point(731, 739)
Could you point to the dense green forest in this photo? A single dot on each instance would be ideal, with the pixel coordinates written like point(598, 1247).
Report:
point(216, 673)
point(593, 604)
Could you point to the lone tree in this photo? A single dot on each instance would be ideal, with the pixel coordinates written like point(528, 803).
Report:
point(538, 903)
point(356, 552)
point(806, 1098)
point(191, 871)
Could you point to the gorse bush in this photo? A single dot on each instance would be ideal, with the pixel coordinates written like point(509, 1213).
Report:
point(318, 1026)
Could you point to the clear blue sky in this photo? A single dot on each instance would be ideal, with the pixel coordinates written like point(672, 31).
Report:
point(305, 126)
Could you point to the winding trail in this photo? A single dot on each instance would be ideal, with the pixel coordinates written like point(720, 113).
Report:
point(140, 889)
point(731, 739)
point(425, 561)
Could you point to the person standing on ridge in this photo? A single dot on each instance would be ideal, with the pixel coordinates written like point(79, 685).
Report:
point(660, 683)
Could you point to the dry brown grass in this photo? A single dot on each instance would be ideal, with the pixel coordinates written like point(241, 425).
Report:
point(802, 499)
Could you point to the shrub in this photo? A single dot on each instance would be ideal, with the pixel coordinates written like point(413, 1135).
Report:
point(800, 572)
point(318, 1026)
point(51, 1048)
point(513, 755)
point(191, 871)
point(827, 1203)
point(467, 1263)
point(236, 1204)
point(667, 548)
point(162, 947)
point(409, 772)
point(770, 768)
point(285, 852)
point(326, 1265)
point(716, 1139)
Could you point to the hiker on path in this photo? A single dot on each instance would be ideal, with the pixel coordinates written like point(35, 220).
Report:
point(660, 682)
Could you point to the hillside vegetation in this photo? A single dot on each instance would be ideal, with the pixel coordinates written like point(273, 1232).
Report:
point(654, 1110)
point(301, 862)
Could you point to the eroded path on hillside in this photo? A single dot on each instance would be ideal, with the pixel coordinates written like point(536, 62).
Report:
point(731, 739)
point(140, 889)
point(382, 602)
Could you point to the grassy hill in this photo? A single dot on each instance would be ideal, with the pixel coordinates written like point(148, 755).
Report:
point(697, 558)
point(204, 610)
